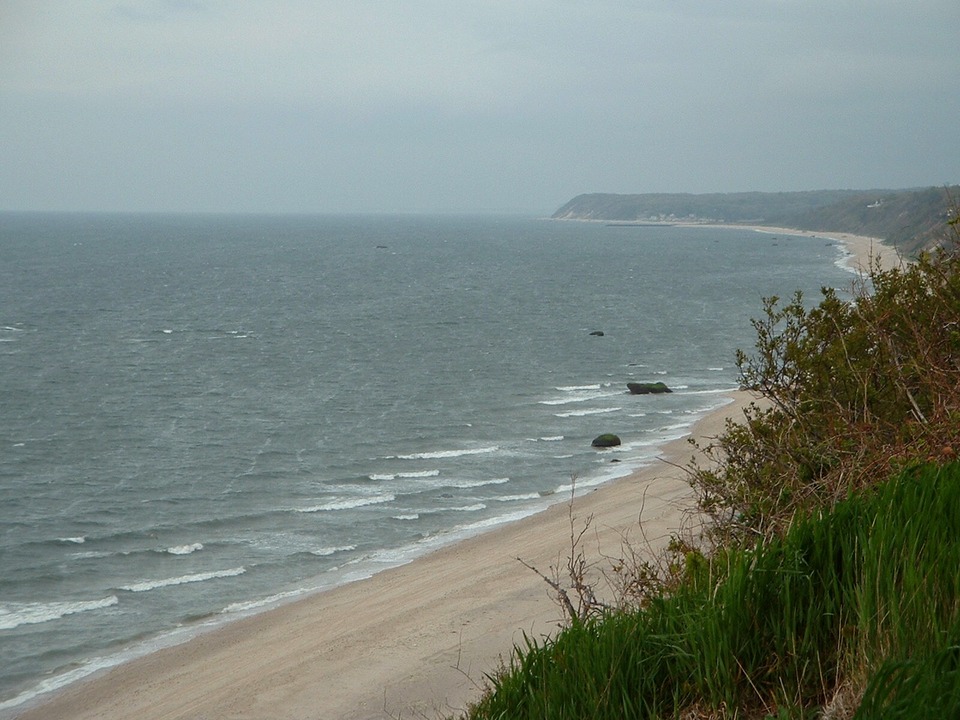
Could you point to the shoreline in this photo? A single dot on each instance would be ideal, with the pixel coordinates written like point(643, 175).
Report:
point(863, 251)
point(416, 639)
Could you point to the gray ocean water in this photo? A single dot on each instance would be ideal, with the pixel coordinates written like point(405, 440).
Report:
point(203, 415)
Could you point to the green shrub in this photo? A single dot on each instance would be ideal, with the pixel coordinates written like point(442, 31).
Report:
point(852, 390)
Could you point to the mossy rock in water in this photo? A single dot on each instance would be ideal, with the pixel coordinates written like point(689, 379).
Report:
point(647, 388)
point(606, 440)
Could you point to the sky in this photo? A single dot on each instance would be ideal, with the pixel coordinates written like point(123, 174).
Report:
point(457, 106)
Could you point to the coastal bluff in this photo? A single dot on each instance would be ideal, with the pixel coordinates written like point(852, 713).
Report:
point(910, 220)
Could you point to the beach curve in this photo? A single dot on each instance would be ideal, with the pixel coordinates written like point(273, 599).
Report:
point(863, 251)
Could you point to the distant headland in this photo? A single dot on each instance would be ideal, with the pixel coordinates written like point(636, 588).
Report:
point(910, 220)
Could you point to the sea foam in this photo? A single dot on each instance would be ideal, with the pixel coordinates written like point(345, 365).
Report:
point(394, 476)
point(15, 614)
point(327, 551)
point(147, 585)
point(449, 453)
point(581, 394)
point(348, 503)
point(185, 549)
point(583, 413)
point(459, 484)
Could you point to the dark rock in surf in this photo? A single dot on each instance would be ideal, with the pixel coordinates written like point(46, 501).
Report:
point(605, 440)
point(647, 388)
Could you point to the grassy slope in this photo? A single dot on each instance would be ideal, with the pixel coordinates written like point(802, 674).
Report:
point(867, 590)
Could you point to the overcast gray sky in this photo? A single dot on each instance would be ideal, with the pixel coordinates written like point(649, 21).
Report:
point(461, 106)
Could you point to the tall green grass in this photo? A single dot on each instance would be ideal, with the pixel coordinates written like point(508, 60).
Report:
point(866, 595)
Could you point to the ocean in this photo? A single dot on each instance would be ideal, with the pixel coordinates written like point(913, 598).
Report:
point(202, 416)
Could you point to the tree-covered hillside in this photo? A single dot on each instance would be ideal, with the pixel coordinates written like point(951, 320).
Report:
point(750, 207)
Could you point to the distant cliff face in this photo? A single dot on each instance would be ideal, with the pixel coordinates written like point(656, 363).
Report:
point(909, 219)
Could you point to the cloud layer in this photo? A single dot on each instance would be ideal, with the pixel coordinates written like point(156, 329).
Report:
point(422, 106)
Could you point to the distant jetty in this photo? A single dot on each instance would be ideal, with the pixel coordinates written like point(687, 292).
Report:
point(639, 224)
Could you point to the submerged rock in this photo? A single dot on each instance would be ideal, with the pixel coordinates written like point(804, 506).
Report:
point(606, 440)
point(647, 388)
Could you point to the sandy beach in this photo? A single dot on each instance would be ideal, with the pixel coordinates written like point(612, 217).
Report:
point(413, 641)
point(864, 251)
